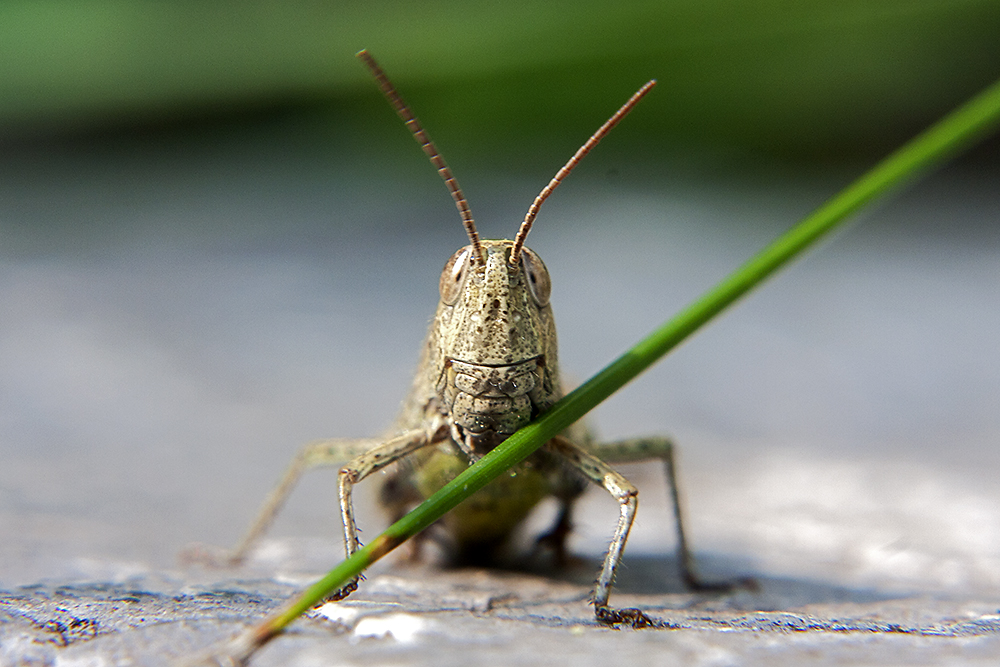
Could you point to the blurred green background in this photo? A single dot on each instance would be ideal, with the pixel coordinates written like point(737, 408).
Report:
point(826, 80)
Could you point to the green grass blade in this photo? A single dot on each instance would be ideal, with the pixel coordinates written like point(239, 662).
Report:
point(969, 122)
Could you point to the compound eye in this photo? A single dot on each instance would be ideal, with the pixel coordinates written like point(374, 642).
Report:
point(538, 277)
point(453, 275)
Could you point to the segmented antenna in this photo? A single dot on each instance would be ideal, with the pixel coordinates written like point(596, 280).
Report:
point(529, 218)
point(428, 146)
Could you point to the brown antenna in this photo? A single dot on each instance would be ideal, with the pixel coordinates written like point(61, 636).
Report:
point(428, 146)
point(529, 218)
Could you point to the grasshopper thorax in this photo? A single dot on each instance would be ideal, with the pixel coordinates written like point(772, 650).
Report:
point(495, 341)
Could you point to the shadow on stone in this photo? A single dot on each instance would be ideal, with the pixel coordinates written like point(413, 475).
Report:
point(651, 574)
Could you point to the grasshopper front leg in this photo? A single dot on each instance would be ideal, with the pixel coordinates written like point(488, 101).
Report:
point(374, 460)
point(626, 494)
point(363, 466)
point(592, 464)
point(636, 450)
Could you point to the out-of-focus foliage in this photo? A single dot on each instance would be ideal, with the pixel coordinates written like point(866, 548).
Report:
point(818, 79)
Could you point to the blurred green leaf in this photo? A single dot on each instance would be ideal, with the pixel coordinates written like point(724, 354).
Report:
point(821, 78)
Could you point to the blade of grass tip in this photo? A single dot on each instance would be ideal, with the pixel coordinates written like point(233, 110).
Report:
point(957, 130)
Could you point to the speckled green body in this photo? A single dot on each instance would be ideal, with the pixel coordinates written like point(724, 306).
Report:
point(485, 520)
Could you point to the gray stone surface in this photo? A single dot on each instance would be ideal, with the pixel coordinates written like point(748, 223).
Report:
point(489, 617)
point(178, 319)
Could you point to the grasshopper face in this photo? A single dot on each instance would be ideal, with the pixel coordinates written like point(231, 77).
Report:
point(493, 345)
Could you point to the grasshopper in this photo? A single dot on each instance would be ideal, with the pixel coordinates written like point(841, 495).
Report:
point(488, 367)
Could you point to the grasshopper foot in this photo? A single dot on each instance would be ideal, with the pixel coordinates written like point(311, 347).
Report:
point(343, 591)
point(635, 618)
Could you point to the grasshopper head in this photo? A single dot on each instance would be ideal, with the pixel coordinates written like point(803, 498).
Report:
point(496, 344)
point(497, 313)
